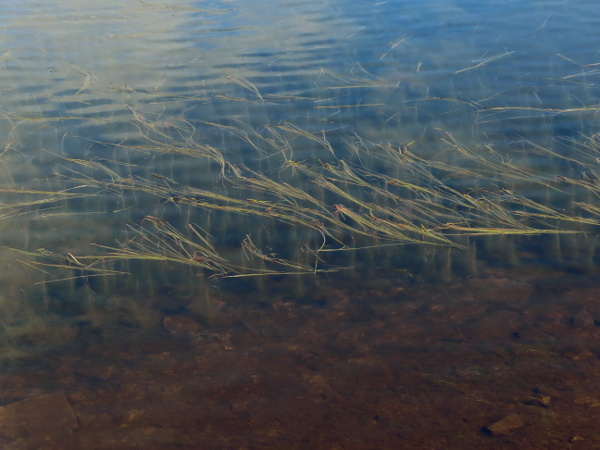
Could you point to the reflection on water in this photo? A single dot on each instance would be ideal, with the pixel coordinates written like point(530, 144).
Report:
point(371, 217)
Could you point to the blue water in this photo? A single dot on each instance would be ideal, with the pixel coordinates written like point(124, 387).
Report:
point(128, 86)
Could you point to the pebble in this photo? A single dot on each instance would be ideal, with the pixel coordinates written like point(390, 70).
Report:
point(180, 324)
point(540, 400)
point(505, 425)
point(583, 319)
point(578, 354)
point(499, 324)
point(96, 372)
point(590, 402)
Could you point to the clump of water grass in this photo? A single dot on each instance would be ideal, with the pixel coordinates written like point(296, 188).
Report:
point(367, 198)
point(238, 198)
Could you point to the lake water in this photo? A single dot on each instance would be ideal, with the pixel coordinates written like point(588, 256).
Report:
point(359, 224)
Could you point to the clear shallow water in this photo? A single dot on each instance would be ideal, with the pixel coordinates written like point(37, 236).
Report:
point(136, 105)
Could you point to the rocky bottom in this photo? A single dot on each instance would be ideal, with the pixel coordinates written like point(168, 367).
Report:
point(491, 362)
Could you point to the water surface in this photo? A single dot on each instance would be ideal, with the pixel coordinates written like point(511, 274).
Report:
point(411, 126)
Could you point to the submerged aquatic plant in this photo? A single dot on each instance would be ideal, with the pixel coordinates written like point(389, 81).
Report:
point(238, 199)
point(306, 216)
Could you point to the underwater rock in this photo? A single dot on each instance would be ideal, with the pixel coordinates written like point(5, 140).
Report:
point(96, 421)
point(503, 291)
point(587, 401)
point(498, 324)
point(96, 372)
point(578, 354)
point(180, 324)
point(540, 399)
point(43, 418)
point(583, 319)
point(505, 425)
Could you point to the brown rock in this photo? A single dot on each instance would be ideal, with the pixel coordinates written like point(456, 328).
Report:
point(540, 400)
point(582, 296)
point(590, 402)
point(502, 290)
point(498, 324)
point(97, 372)
point(98, 421)
point(505, 425)
point(583, 319)
point(180, 324)
point(43, 418)
point(578, 354)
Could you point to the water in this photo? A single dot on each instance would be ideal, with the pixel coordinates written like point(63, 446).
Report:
point(372, 196)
